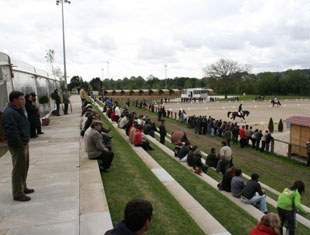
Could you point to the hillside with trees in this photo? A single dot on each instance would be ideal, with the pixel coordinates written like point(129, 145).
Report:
point(224, 77)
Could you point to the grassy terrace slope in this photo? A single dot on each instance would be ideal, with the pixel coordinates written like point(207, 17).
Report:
point(227, 213)
point(129, 178)
point(276, 171)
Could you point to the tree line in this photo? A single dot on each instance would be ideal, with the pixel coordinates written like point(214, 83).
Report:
point(223, 77)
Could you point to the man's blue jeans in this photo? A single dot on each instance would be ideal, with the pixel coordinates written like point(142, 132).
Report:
point(257, 199)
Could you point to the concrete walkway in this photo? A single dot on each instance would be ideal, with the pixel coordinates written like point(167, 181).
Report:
point(56, 175)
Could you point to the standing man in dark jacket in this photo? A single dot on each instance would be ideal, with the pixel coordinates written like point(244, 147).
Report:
point(32, 115)
point(162, 131)
point(17, 130)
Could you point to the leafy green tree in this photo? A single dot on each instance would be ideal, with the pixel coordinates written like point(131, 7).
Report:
point(270, 125)
point(224, 71)
point(280, 125)
point(96, 84)
point(74, 82)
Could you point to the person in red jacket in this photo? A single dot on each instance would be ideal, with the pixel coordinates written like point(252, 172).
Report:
point(242, 134)
point(138, 141)
point(268, 225)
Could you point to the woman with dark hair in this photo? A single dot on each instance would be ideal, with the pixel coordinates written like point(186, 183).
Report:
point(288, 204)
point(226, 181)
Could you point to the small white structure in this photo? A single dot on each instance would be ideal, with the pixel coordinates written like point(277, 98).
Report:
point(194, 94)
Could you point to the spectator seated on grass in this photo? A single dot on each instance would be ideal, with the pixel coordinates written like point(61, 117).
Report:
point(237, 184)
point(95, 148)
point(253, 194)
point(123, 120)
point(226, 181)
point(184, 150)
point(198, 165)
point(138, 141)
point(149, 128)
point(225, 158)
point(212, 159)
point(190, 156)
point(104, 131)
point(268, 225)
point(132, 131)
point(137, 219)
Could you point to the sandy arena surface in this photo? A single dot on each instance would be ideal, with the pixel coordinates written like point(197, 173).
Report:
point(260, 113)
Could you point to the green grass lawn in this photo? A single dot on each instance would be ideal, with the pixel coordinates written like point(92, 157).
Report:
point(130, 178)
point(275, 171)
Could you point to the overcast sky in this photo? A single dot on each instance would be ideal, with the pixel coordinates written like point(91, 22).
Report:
point(138, 37)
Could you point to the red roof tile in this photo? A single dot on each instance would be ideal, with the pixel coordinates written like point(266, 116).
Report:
point(298, 120)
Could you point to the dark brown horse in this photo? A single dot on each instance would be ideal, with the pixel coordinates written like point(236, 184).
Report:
point(275, 102)
point(237, 114)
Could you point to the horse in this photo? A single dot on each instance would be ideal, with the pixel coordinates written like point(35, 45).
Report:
point(260, 97)
point(277, 102)
point(237, 114)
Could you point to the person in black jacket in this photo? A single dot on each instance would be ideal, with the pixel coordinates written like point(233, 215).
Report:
point(137, 218)
point(17, 130)
point(162, 131)
point(253, 194)
point(56, 97)
point(32, 112)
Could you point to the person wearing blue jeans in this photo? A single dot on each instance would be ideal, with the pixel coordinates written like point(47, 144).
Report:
point(253, 194)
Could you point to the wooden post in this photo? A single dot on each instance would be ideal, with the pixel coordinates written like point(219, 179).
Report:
point(272, 146)
point(289, 154)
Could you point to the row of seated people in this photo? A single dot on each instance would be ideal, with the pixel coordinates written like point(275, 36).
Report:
point(136, 127)
point(288, 202)
point(96, 139)
point(250, 193)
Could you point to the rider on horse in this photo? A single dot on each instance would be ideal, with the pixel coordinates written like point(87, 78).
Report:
point(240, 111)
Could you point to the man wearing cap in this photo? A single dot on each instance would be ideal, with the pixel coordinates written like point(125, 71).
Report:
point(95, 148)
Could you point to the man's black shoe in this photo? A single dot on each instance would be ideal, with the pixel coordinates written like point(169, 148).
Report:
point(23, 198)
point(28, 190)
point(40, 133)
point(103, 169)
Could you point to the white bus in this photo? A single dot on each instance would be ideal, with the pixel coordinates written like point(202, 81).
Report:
point(194, 94)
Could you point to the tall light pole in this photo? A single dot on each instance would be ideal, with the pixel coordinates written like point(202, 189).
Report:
point(166, 75)
point(102, 82)
point(63, 37)
point(108, 69)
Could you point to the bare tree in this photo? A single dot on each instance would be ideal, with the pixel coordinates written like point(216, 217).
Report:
point(50, 59)
point(224, 70)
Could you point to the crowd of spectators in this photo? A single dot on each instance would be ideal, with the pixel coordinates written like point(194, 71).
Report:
point(249, 192)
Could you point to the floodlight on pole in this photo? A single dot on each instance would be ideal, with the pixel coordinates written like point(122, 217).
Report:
point(166, 75)
point(108, 69)
point(63, 37)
